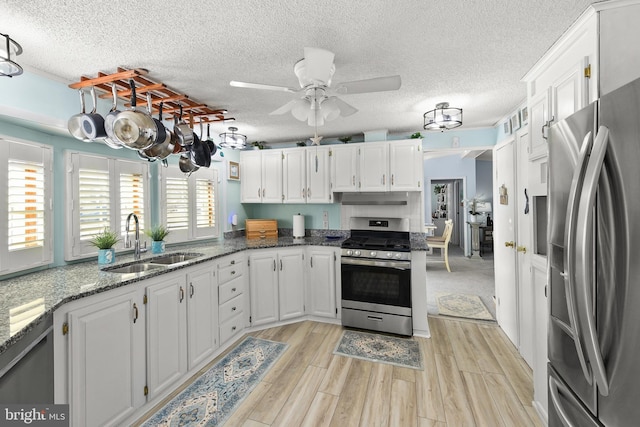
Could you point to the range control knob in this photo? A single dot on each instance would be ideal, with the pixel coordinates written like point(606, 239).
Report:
point(398, 255)
point(389, 254)
point(357, 253)
point(373, 254)
point(349, 252)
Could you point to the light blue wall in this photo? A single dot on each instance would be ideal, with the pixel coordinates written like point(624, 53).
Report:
point(312, 214)
point(466, 138)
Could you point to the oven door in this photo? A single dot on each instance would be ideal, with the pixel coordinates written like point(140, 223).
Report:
point(378, 282)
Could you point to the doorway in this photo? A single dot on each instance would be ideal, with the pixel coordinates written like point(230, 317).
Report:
point(446, 200)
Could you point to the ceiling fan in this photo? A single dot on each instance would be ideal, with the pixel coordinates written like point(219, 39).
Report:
point(318, 101)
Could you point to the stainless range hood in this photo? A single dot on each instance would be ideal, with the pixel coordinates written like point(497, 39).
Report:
point(398, 198)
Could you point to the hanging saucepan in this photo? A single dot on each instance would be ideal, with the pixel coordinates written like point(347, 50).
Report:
point(165, 148)
point(183, 131)
point(93, 123)
point(75, 122)
point(186, 166)
point(110, 139)
point(199, 151)
point(135, 129)
point(210, 143)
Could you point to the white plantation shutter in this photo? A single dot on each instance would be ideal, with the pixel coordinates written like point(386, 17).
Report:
point(101, 192)
point(26, 205)
point(189, 204)
point(94, 202)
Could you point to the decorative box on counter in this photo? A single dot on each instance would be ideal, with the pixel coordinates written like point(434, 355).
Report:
point(261, 229)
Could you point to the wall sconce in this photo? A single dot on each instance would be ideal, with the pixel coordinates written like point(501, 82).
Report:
point(8, 48)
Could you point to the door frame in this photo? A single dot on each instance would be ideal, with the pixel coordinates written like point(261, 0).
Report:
point(466, 237)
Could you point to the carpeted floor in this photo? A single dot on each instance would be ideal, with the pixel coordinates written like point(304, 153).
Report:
point(472, 276)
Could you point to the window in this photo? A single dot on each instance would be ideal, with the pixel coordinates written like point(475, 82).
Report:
point(190, 204)
point(102, 192)
point(26, 239)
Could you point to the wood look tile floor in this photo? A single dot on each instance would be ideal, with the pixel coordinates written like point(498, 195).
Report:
point(473, 376)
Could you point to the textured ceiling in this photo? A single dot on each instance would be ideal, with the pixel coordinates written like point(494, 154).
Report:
point(471, 53)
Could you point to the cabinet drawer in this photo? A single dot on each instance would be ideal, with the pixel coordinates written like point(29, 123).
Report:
point(261, 228)
point(231, 260)
point(229, 273)
point(231, 327)
point(262, 234)
point(230, 308)
point(230, 289)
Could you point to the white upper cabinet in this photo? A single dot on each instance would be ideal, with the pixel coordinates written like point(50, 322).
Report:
point(319, 175)
point(344, 167)
point(272, 176)
point(373, 162)
point(261, 176)
point(405, 165)
point(294, 175)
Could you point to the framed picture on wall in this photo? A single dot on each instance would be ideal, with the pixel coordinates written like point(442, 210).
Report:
point(515, 121)
point(507, 127)
point(524, 115)
point(234, 171)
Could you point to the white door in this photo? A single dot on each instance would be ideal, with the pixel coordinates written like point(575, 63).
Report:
point(373, 167)
point(202, 315)
point(107, 360)
point(294, 174)
point(291, 283)
point(318, 175)
point(272, 176)
point(322, 283)
point(251, 181)
point(344, 168)
point(526, 320)
point(504, 231)
point(263, 280)
point(166, 333)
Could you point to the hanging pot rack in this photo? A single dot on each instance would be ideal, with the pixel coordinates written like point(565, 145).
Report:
point(172, 100)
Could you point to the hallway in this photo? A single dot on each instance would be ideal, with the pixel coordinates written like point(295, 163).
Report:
point(472, 276)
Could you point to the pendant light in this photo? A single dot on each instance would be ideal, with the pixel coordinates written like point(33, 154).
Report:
point(232, 139)
point(9, 47)
point(443, 117)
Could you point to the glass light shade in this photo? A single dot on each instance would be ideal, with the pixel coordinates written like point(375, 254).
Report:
point(233, 140)
point(443, 117)
point(9, 47)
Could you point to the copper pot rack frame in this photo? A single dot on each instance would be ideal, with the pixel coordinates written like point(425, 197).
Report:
point(171, 99)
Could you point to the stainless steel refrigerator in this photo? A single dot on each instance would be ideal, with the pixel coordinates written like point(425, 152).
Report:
point(594, 266)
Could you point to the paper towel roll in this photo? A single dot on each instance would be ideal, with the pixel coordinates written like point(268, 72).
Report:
point(298, 225)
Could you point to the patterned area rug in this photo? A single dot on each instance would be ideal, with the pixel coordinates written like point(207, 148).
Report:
point(403, 352)
point(210, 399)
point(462, 305)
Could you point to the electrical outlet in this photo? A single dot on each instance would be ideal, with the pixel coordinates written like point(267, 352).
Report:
point(325, 220)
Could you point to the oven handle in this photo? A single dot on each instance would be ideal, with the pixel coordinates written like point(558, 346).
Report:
point(399, 265)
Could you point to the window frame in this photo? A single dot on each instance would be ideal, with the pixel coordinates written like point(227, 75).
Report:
point(25, 258)
point(192, 232)
point(75, 248)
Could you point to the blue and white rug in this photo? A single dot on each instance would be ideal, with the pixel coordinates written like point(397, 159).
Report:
point(213, 397)
point(403, 352)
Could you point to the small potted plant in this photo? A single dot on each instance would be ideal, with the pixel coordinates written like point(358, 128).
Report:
point(157, 235)
point(258, 145)
point(345, 139)
point(105, 241)
point(416, 135)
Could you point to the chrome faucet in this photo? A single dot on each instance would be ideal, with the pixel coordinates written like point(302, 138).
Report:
point(127, 242)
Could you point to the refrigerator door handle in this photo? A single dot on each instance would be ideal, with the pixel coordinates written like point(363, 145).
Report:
point(584, 260)
point(554, 393)
point(570, 251)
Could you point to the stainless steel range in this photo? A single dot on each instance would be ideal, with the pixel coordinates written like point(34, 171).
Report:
point(376, 276)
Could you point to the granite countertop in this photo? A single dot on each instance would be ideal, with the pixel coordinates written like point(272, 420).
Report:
point(40, 293)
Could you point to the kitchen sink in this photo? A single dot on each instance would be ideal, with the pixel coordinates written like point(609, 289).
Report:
point(172, 259)
point(139, 267)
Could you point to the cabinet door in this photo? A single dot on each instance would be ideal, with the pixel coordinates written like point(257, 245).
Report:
point(538, 116)
point(202, 315)
point(294, 182)
point(568, 93)
point(291, 283)
point(373, 167)
point(321, 283)
point(405, 165)
point(344, 168)
point(107, 360)
point(272, 176)
point(263, 281)
point(318, 175)
point(166, 333)
point(251, 179)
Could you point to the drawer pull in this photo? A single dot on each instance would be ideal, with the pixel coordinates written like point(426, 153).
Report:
point(233, 261)
point(376, 318)
point(233, 289)
point(233, 308)
point(233, 328)
point(181, 294)
point(233, 272)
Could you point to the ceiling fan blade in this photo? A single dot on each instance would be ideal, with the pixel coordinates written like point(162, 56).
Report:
point(261, 86)
point(377, 84)
point(285, 108)
point(345, 109)
point(319, 64)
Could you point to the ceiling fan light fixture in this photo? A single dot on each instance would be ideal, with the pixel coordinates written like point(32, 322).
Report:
point(233, 140)
point(443, 117)
point(8, 48)
point(330, 109)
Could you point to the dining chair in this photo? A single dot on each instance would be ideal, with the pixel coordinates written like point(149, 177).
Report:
point(442, 242)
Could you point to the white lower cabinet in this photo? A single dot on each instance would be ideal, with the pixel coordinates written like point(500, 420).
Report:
point(232, 312)
point(106, 369)
point(276, 279)
point(202, 319)
point(321, 282)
